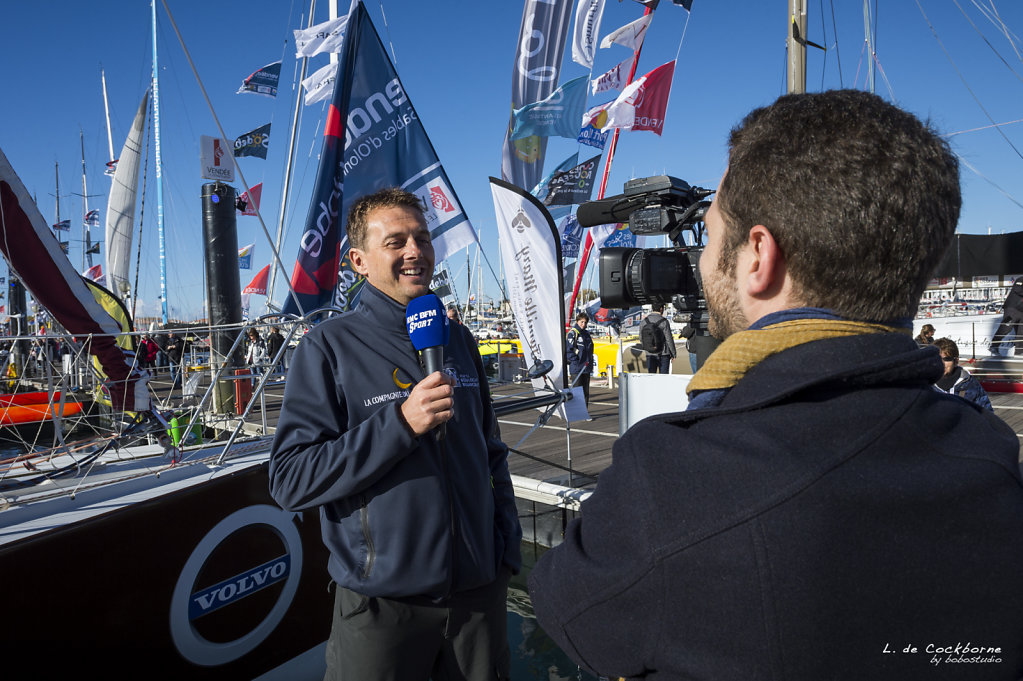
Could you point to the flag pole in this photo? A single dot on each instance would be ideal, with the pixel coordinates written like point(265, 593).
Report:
point(585, 255)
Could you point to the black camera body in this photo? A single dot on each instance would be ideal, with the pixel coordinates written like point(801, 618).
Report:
point(635, 276)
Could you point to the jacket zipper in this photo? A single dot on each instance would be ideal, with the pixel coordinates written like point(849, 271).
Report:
point(370, 549)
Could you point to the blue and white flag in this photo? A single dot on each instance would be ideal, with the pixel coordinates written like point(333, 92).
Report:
point(373, 139)
point(555, 116)
point(592, 132)
point(587, 24)
point(571, 237)
point(245, 257)
point(264, 81)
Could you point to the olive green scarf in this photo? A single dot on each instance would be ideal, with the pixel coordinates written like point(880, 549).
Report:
point(742, 351)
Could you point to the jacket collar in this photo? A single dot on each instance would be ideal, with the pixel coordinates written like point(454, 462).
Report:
point(854, 361)
point(382, 310)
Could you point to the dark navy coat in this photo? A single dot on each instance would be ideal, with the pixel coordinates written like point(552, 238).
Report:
point(834, 518)
point(401, 515)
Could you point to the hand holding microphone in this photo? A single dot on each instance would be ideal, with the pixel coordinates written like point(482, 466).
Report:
point(431, 402)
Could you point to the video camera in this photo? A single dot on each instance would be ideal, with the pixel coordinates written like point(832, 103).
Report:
point(637, 276)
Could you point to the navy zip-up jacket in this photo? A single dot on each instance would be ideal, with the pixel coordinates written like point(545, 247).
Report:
point(402, 516)
point(834, 517)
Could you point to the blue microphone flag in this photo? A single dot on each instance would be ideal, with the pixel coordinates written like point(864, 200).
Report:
point(427, 322)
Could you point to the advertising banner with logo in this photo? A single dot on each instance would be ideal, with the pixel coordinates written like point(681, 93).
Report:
point(531, 253)
point(554, 116)
point(538, 54)
point(573, 186)
point(253, 143)
point(587, 24)
point(215, 159)
point(264, 81)
point(373, 139)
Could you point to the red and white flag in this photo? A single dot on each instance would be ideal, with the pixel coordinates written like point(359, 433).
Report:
point(613, 79)
point(252, 206)
point(630, 35)
point(642, 104)
point(258, 283)
point(94, 273)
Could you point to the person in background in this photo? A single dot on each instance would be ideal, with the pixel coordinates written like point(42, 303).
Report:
point(173, 347)
point(274, 342)
point(926, 336)
point(420, 522)
point(255, 354)
point(148, 351)
point(689, 332)
point(1012, 319)
point(453, 316)
point(957, 380)
point(657, 341)
point(579, 346)
point(819, 511)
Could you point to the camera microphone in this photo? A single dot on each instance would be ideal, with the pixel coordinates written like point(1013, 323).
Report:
point(607, 211)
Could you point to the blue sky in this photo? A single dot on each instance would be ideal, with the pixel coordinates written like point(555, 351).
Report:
point(455, 60)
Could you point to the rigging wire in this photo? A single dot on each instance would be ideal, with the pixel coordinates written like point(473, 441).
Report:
point(838, 56)
point(987, 42)
point(965, 83)
point(993, 16)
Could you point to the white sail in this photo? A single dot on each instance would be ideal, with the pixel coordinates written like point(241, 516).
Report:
point(121, 206)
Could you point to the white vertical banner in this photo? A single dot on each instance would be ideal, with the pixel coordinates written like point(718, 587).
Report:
point(531, 254)
point(587, 24)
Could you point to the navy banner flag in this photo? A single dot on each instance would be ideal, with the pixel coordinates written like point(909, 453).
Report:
point(542, 37)
point(373, 139)
point(574, 185)
point(254, 143)
point(263, 81)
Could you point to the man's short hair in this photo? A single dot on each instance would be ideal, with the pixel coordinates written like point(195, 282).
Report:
point(861, 197)
point(948, 348)
point(388, 197)
point(581, 316)
point(657, 307)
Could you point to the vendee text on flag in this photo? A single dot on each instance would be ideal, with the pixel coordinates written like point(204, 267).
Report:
point(264, 81)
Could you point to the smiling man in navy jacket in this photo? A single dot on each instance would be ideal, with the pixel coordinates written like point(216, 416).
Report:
point(422, 531)
point(819, 511)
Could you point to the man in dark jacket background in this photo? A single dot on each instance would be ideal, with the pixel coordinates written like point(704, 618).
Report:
point(658, 359)
point(422, 529)
point(819, 511)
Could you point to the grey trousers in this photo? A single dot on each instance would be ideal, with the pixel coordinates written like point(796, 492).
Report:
point(380, 639)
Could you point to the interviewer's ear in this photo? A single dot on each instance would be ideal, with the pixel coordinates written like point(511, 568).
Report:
point(765, 267)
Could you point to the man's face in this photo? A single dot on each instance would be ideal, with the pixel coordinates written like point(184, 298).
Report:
point(397, 256)
point(582, 323)
point(719, 285)
point(948, 362)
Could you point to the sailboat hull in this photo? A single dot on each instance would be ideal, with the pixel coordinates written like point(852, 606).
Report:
point(209, 581)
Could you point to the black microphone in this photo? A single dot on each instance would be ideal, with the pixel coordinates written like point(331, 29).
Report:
point(427, 323)
point(606, 211)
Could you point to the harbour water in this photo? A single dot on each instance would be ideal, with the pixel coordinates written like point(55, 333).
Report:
point(534, 656)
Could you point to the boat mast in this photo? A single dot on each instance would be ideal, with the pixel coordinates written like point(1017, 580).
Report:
point(87, 254)
point(159, 176)
point(287, 168)
point(106, 109)
point(796, 44)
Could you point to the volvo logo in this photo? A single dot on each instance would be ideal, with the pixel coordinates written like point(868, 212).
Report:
point(190, 605)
